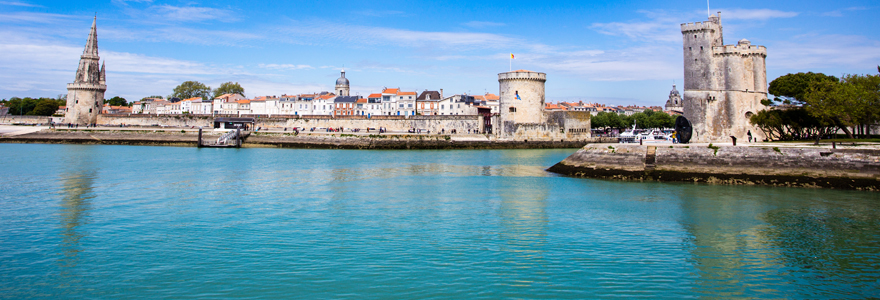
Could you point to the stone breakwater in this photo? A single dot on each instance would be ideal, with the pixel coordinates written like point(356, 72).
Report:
point(189, 138)
point(765, 165)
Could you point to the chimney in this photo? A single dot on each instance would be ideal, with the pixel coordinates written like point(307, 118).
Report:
point(441, 94)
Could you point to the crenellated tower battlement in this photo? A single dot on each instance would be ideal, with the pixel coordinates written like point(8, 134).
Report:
point(723, 84)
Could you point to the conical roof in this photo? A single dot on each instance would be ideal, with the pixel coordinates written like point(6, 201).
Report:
point(92, 44)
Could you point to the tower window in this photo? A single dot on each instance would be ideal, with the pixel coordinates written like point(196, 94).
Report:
point(513, 109)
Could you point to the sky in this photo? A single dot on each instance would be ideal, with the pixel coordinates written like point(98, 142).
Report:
point(612, 52)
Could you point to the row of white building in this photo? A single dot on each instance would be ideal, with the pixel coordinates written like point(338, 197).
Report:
point(391, 101)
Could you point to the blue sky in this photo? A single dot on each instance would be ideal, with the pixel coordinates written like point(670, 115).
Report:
point(618, 52)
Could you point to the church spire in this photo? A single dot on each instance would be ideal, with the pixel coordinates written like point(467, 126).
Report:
point(92, 44)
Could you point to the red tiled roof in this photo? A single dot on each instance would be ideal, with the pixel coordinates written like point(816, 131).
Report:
point(390, 91)
point(375, 95)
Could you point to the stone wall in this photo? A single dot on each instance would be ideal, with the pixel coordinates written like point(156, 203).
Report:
point(808, 167)
point(12, 119)
point(394, 123)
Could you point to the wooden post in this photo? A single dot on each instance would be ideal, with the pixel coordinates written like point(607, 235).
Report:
point(238, 137)
point(200, 138)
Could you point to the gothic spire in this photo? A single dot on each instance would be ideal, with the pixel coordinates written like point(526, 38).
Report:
point(92, 44)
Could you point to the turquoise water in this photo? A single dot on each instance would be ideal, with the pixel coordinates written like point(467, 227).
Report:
point(79, 221)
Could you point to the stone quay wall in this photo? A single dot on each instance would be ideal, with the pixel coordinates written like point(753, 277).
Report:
point(395, 123)
point(805, 167)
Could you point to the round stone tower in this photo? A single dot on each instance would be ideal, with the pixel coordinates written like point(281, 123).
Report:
point(85, 96)
point(521, 100)
point(342, 88)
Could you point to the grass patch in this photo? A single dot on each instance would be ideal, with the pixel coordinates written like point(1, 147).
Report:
point(777, 150)
point(347, 135)
point(713, 147)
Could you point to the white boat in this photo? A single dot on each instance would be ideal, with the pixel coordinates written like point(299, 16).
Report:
point(645, 136)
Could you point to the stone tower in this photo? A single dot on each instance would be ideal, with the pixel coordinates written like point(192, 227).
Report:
point(674, 101)
point(521, 100)
point(723, 84)
point(342, 85)
point(85, 96)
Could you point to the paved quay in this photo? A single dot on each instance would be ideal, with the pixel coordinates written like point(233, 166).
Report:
point(275, 137)
point(848, 166)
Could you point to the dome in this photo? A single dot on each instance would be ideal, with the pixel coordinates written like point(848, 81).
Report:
point(744, 42)
point(342, 80)
point(673, 91)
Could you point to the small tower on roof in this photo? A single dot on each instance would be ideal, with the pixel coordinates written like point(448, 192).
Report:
point(342, 87)
point(85, 95)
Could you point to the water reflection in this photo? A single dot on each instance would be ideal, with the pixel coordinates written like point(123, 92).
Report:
point(828, 244)
point(75, 206)
point(523, 217)
point(730, 254)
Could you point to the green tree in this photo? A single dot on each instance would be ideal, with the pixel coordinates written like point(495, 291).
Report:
point(790, 88)
point(833, 102)
point(116, 101)
point(191, 89)
point(229, 88)
point(21, 106)
point(152, 97)
point(45, 107)
point(599, 121)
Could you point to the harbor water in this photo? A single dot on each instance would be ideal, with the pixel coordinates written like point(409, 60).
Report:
point(86, 221)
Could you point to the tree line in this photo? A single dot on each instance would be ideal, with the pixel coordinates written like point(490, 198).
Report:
point(814, 105)
point(44, 106)
point(642, 120)
point(192, 89)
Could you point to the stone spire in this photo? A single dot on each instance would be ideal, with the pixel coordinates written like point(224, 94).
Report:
point(85, 95)
point(92, 44)
point(103, 78)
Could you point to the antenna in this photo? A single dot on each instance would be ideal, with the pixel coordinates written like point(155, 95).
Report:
point(708, 11)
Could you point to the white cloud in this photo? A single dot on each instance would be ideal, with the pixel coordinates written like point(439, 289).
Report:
point(658, 25)
point(33, 17)
point(192, 13)
point(18, 3)
point(379, 13)
point(824, 51)
point(392, 36)
point(286, 67)
point(640, 63)
point(657, 31)
point(483, 24)
point(839, 12)
point(754, 14)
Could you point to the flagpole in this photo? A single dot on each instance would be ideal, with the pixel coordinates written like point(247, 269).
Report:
point(510, 61)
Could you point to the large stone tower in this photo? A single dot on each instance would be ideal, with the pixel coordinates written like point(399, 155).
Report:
point(521, 100)
point(342, 88)
point(85, 95)
point(723, 84)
